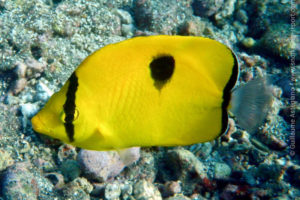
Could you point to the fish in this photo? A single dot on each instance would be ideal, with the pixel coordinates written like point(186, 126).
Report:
point(152, 91)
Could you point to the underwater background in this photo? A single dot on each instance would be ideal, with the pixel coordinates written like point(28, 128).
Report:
point(43, 41)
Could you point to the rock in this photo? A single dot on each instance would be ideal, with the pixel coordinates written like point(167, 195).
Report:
point(19, 85)
point(144, 190)
point(100, 165)
point(247, 76)
point(28, 110)
point(124, 16)
point(143, 14)
point(63, 27)
point(145, 169)
point(171, 188)
point(243, 177)
point(241, 146)
point(98, 189)
point(256, 156)
point(249, 61)
point(277, 41)
point(179, 197)
point(283, 197)
point(266, 14)
point(231, 130)
point(239, 135)
point(227, 10)
point(206, 8)
point(128, 29)
point(11, 100)
point(103, 165)
point(19, 183)
point(232, 191)
point(43, 92)
point(294, 174)
point(66, 152)
point(221, 171)
point(5, 160)
point(70, 169)
point(44, 165)
point(56, 179)
point(184, 166)
point(248, 42)
point(20, 69)
point(259, 145)
point(79, 188)
point(271, 140)
point(126, 190)
point(286, 85)
point(112, 191)
point(267, 171)
point(193, 27)
point(24, 146)
point(162, 17)
point(242, 16)
point(288, 116)
point(202, 150)
point(185, 163)
point(84, 184)
point(34, 67)
point(197, 196)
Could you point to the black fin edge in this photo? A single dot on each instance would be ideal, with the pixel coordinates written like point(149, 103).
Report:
point(227, 93)
point(70, 106)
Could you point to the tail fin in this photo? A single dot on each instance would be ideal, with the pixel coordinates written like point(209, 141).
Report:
point(250, 103)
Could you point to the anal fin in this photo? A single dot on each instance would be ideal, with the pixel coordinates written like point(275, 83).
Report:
point(130, 155)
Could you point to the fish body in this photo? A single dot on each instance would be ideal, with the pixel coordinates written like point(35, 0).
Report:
point(145, 91)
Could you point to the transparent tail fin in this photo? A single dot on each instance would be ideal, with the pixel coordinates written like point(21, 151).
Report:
point(250, 103)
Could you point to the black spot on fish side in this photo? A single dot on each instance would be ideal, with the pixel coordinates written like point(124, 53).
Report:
point(70, 107)
point(162, 68)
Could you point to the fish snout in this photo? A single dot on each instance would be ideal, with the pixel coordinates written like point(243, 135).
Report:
point(37, 124)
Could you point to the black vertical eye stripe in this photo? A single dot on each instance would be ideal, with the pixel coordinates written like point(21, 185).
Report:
point(70, 106)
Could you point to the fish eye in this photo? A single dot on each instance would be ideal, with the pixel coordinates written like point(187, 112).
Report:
point(76, 115)
point(69, 117)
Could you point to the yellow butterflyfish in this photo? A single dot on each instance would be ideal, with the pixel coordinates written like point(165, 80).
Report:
point(150, 91)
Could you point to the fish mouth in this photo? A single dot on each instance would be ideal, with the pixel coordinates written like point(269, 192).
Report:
point(38, 125)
